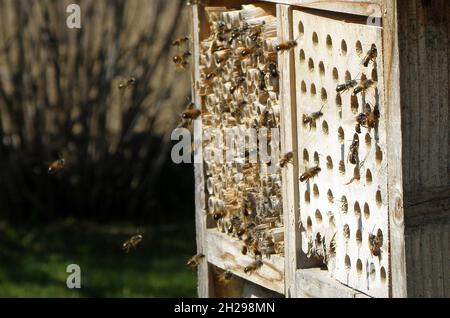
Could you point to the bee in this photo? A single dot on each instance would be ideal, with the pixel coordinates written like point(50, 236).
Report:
point(346, 86)
point(57, 165)
point(353, 156)
point(254, 247)
point(287, 158)
point(370, 118)
point(132, 243)
point(375, 243)
point(180, 41)
point(244, 52)
point(253, 266)
point(371, 56)
point(264, 118)
point(273, 70)
point(225, 277)
point(238, 81)
point(194, 261)
point(255, 32)
point(286, 46)
point(191, 112)
point(363, 86)
point(218, 215)
point(244, 250)
point(311, 118)
point(310, 174)
point(241, 231)
point(180, 60)
point(128, 83)
point(262, 81)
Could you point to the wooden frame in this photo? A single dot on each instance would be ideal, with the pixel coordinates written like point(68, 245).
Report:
point(414, 205)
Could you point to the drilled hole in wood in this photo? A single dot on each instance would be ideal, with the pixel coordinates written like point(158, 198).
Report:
point(305, 157)
point(335, 75)
point(321, 69)
point(372, 271)
point(383, 275)
point(359, 49)
point(359, 237)
point(359, 267)
point(348, 263)
point(342, 167)
point(378, 155)
point(325, 127)
point(378, 198)
point(368, 177)
point(318, 217)
point(324, 95)
point(341, 135)
point(311, 65)
point(348, 76)
point(380, 237)
point(331, 221)
point(316, 158)
point(354, 104)
point(329, 163)
point(363, 77)
point(315, 39)
point(307, 197)
point(356, 173)
point(329, 43)
point(330, 196)
point(316, 191)
point(344, 47)
point(302, 56)
point(313, 90)
point(344, 204)
point(368, 140)
point(374, 75)
point(339, 102)
point(309, 224)
point(366, 211)
point(301, 29)
point(357, 209)
point(304, 90)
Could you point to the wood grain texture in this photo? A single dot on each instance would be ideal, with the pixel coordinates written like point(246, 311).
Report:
point(225, 253)
point(289, 143)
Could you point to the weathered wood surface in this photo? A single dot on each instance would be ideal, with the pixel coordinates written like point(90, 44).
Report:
point(225, 252)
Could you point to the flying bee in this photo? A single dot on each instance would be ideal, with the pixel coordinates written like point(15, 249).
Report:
point(346, 86)
point(180, 60)
point(191, 112)
point(375, 242)
point(253, 266)
point(286, 46)
point(353, 156)
point(363, 86)
point(310, 174)
point(371, 56)
point(57, 165)
point(287, 158)
point(194, 261)
point(128, 83)
point(180, 41)
point(311, 118)
point(225, 277)
point(132, 243)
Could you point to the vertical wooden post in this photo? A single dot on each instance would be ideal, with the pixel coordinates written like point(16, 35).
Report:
point(204, 271)
point(289, 143)
point(394, 150)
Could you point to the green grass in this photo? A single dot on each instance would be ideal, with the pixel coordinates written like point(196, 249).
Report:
point(33, 261)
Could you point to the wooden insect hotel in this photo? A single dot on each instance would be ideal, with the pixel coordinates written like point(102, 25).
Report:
point(358, 204)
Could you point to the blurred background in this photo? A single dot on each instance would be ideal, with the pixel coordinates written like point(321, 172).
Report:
point(60, 98)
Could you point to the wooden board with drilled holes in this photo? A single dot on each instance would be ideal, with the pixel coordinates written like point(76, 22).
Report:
point(329, 53)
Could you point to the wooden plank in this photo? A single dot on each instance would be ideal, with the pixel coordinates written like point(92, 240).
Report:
point(289, 143)
point(316, 283)
point(204, 272)
point(394, 154)
point(225, 252)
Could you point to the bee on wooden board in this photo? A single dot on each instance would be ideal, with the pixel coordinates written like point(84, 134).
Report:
point(218, 215)
point(238, 82)
point(254, 247)
point(56, 165)
point(371, 56)
point(363, 86)
point(250, 268)
point(180, 60)
point(195, 260)
point(370, 118)
point(286, 46)
point(132, 243)
point(128, 83)
point(312, 118)
point(310, 173)
point(180, 41)
point(375, 243)
point(225, 277)
point(273, 70)
point(353, 154)
point(346, 86)
point(287, 158)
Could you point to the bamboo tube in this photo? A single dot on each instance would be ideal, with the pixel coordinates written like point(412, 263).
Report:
point(232, 19)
